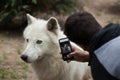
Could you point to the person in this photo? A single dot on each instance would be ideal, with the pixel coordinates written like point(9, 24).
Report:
point(100, 44)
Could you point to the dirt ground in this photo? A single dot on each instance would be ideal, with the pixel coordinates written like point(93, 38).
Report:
point(11, 44)
point(11, 66)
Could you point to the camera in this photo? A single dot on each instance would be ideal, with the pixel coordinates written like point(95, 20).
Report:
point(65, 48)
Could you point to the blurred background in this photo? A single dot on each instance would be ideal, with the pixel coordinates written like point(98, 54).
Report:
point(13, 21)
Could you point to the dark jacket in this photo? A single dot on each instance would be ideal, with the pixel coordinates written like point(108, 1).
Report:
point(108, 33)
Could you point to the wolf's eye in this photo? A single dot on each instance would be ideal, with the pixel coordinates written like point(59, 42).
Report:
point(39, 41)
point(27, 40)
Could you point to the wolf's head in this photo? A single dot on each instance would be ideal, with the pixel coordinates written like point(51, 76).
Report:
point(41, 38)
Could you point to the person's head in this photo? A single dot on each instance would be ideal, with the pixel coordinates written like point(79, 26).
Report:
point(80, 28)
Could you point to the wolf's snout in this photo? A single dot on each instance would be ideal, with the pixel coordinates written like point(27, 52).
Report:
point(24, 57)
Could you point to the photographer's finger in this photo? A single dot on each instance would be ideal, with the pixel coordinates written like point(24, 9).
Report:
point(71, 54)
point(68, 61)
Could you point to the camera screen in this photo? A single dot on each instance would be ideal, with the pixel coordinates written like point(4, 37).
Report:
point(65, 47)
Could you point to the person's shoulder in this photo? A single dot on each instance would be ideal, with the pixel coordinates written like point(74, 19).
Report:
point(106, 34)
point(112, 26)
point(109, 29)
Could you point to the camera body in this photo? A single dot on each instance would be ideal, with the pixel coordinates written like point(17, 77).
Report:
point(65, 47)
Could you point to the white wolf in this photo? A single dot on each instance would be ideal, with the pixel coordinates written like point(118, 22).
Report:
point(43, 53)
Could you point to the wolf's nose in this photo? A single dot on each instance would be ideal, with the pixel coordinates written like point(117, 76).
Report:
point(24, 57)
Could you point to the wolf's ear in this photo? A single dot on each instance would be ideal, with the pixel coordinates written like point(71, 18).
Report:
point(30, 19)
point(52, 24)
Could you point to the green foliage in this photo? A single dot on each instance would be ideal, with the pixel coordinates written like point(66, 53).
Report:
point(6, 74)
point(11, 8)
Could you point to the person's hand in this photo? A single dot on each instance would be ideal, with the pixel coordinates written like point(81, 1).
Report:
point(78, 54)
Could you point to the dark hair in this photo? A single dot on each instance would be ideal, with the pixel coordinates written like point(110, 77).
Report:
point(80, 27)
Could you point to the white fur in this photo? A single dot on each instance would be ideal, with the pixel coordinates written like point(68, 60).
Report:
point(45, 57)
